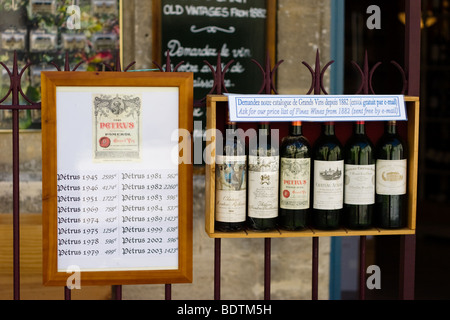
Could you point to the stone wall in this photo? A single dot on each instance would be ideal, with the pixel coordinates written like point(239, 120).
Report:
point(303, 27)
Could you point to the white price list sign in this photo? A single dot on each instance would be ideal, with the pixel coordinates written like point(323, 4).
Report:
point(118, 220)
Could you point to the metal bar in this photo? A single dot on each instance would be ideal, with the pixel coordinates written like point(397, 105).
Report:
point(267, 253)
point(36, 106)
point(362, 267)
point(15, 85)
point(315, 268)
point(412, 45)
point(118, 292)
point(217, 253)
point(168, 291)
point(67, 293)
point(16, 204)
point(412, 66)
point(407, 266)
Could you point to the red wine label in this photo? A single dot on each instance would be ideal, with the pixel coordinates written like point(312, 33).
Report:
point(359, 184)
point(263, 187)
point(231, 185)
point(328, 185)
point(117, 126)
point(294, 183)
point(391, 177)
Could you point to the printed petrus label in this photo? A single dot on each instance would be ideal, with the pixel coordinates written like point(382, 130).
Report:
point(391, 177)
point(263, 186)
point(359, 184)
point(328, 185)
point(231, 185)
point(295, 175)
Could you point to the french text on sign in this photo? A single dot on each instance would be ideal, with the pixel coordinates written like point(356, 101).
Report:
point(118, 219)
point(281, 108)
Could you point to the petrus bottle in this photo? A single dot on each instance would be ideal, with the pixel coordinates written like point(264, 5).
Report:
point(295, 176)
point(263, 175)
point(231, 182)
point(391, 179)
point(359, 191)
point(328, 179)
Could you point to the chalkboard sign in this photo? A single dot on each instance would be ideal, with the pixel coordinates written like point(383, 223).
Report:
point(195, 31)
point(117, 200)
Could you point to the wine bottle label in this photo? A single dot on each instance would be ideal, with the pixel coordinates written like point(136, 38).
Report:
point(328, 185)
point(294, 183)
point(263, 186)
point(231, 185)
point(359, 184)
point(391, 177)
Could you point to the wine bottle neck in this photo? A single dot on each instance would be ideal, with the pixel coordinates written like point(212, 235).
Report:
point(328, 128)
point(296, 128)
point(229, 124)
point(264, 128)
point(360, 127)
point(391, 127)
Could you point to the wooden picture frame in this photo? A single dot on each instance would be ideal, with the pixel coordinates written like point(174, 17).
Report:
point(147, 113)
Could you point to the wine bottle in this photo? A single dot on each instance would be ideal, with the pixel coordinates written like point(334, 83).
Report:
point(328, 179)
point(391, 176)
point(359, 191)
point(263, 165)
point(231, 182)
point(295, 176)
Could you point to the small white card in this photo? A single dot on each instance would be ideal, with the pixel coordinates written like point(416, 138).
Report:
point(319, 108)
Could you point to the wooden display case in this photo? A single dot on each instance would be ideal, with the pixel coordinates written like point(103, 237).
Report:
point(409, 130)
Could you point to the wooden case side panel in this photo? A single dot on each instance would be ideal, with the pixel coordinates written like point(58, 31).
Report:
point(210, 173)
point(413, 108)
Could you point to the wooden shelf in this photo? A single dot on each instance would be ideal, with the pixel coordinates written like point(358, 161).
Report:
point(310, 232)
point(412, 139)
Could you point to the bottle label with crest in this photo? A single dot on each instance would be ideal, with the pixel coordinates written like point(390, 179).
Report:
point(231, 185)
point(391, 177)
point(294, 183)
point(263, 186)
point(328, 185)
point(359, 184)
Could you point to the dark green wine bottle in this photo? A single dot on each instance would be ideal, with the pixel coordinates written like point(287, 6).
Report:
point(263, 175)
point(391, 180)
point(359, 191)
point(328, 179)
point(295, 176)
point(231, 182)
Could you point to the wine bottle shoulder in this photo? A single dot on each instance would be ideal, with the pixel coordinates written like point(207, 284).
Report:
point(328, 148)
point(390, 149)
point(327, 140)
point(295, 147)
point(359, 140)
point(390, 141)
